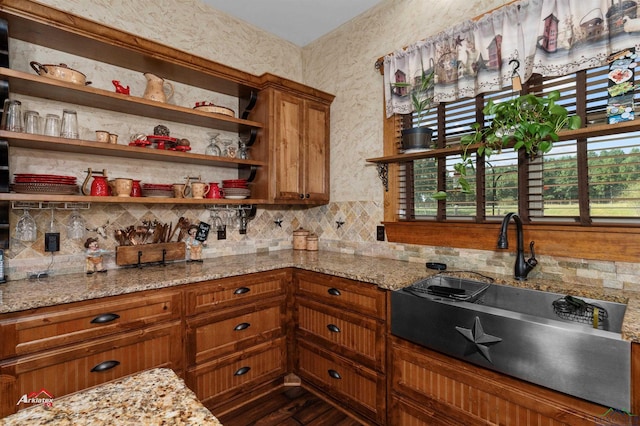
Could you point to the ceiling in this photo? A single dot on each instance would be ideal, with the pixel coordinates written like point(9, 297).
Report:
point(299, 21)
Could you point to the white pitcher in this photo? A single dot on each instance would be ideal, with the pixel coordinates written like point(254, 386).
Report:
point(157, 88)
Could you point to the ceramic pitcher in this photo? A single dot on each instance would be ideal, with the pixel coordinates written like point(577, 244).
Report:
point(157, 88)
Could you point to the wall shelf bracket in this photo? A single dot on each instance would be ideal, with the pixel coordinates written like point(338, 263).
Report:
point(383, 174)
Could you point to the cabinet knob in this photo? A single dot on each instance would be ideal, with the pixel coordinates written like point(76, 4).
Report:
point(334, 374)
point(301, 196)
point(242, 326)
point(104, 366)
point(103, 318)
point(333, 328)
point(242, 371)
point(307, 196)
point(242, 290)
point(334, 291)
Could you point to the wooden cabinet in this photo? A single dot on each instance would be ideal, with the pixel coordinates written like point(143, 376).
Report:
point(340, 341)
point(64, 349)
point(429, 388)
point(297, 128)
point(236, 338)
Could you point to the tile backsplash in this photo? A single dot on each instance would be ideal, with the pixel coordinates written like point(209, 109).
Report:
point(347, 227)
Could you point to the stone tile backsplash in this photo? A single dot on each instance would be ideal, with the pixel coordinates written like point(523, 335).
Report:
point(271, 230)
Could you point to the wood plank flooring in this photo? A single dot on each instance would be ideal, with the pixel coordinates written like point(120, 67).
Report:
point(292, 406)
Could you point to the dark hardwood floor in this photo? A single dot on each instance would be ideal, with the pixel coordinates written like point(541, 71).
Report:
point(292, 406)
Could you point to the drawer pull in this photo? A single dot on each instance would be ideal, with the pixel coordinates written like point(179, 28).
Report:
point(334, 291)
point(334, 328)
point(242, 290)
point(242, 326)
point(242, 371)
point(104, 366)
point(101, 319)
point(334, 374)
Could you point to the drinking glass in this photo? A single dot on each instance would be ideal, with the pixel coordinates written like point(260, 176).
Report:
point(26, 229)
point(76, 226)
point(52, 125)
point(32, 122)
point(69, 127)
point(13, 112)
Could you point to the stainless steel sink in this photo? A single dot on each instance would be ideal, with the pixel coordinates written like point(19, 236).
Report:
point(573, 345)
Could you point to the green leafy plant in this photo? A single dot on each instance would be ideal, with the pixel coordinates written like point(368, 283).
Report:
point(526, 122)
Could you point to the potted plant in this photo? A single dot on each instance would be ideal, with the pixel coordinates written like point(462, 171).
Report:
point(418, 138)
point(526, 122)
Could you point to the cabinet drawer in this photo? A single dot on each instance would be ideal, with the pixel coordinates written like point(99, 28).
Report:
point(232, 376)
point(348, 383)
point(340, 292)
point(234, 291)
point(52, 327)
point(77, 367)
point(357, 337)
point(232, 330)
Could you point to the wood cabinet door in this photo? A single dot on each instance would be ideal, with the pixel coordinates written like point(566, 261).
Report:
point(78, 367)
point(289, 146)
point(316, 160)
point(470, 395)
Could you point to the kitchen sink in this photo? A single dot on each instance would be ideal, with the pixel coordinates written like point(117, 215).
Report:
point(570, 344)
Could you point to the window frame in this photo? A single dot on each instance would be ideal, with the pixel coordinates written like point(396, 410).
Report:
point(582, 239)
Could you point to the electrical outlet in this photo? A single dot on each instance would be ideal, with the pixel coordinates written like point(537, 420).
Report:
point(222, 232)
point(380, 233)
point(52, 241)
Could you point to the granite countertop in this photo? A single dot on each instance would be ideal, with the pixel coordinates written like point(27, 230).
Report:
point(386, 273)
point(152, 397)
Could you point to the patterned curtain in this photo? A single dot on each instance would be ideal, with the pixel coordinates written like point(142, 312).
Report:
point(547, 37)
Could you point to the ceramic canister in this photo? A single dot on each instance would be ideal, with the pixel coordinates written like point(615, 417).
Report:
point(312, 242)
point(300, 239)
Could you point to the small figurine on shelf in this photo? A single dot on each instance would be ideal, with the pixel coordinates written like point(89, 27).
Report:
point(120, 88)
point(194, 244)
point(94, 256)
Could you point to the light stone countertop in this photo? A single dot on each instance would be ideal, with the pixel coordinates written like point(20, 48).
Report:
point(386, 273)
point(152, 397)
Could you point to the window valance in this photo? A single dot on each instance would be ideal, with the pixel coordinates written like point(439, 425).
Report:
point(547, 37)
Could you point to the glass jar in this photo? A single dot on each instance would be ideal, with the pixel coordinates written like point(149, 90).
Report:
point(214, 146)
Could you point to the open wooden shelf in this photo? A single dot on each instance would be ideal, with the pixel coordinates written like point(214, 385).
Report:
point(44, 87)
point(53, 198)
point(45, 26)
point(79, 146)
point(601, 129)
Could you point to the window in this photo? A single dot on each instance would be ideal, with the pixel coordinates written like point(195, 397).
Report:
point(591, 179)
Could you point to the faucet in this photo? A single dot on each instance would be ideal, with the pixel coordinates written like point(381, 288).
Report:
point(522, 266)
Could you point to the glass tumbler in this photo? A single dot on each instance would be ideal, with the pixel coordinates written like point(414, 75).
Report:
point(69, 126)
point(32, 122)
point(13, 113)
point(52, 125)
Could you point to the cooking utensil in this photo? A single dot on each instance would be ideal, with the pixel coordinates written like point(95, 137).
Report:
point(60, 72)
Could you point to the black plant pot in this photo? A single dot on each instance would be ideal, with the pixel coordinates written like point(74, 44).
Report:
point(417, 139)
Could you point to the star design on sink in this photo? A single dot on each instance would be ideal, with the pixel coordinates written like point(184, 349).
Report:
point(479, 338)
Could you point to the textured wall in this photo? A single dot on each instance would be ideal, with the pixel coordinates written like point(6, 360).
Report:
point(341, 63)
